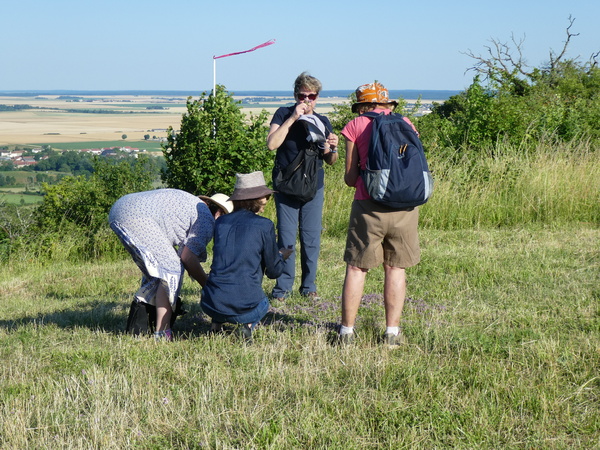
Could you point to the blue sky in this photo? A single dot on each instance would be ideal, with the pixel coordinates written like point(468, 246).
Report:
point(146, 45)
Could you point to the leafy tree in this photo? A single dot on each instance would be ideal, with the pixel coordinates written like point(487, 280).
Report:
point(123, 136)
point(215, 141)
point(6, 165)
point(519, 104)
point(7, 180)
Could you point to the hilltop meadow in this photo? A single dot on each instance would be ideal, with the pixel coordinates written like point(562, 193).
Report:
point(502, 316)
point(502, 320)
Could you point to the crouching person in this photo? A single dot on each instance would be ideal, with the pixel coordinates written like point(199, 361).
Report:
point(245, 249)
point(166, 231)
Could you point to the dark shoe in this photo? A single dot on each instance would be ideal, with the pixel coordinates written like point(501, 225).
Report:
point(245, 331)
point(394, 341)
point(216, 327)
point(179, 311)
point(312, 295)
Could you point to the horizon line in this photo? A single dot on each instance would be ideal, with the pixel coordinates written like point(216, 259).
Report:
point(200, 90)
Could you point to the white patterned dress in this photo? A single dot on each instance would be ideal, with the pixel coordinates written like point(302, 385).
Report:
point(154, 226)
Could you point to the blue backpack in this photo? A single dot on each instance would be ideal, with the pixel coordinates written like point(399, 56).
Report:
point(396, 173)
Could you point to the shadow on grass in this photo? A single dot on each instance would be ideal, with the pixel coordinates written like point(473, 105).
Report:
point(295, 313)
point(111, 317)
point(107, 316)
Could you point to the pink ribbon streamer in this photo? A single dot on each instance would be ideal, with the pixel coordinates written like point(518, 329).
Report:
point(272, 41)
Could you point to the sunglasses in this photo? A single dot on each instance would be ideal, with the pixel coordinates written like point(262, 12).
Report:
point(311, 97)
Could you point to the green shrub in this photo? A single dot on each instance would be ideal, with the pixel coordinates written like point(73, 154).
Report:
point(215, 141)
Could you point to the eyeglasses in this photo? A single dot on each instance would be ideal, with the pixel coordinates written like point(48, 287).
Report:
point(311, 97)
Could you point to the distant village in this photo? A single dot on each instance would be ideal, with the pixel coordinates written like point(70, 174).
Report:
point(23, 158)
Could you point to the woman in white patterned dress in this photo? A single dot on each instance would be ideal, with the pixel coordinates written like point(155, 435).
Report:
point(166, 231)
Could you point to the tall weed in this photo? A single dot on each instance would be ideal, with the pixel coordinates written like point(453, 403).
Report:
point(507, 186)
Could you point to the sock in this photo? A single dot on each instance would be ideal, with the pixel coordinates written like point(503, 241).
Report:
point(392, 330)
point(346, 330)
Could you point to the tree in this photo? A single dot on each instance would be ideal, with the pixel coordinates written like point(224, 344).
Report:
point(215, 141)
point(520, 105)
point(123, 136)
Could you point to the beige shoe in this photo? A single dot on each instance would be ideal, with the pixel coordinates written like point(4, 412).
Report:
point(345, 339)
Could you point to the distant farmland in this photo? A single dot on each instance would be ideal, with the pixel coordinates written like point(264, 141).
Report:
point(151, 146)
point(93, 121)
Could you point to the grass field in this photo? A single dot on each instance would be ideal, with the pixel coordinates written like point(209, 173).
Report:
point(17, 197)
point(502, 321)
point(64, 121)
point(504, 349)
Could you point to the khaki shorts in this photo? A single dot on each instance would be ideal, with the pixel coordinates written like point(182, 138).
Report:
point(379, 235)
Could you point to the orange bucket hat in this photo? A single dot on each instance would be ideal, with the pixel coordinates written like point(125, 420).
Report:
point(372, 93)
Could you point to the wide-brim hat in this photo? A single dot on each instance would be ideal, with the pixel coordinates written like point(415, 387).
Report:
point(249, 186)
point(221, 200)
point(372, 93)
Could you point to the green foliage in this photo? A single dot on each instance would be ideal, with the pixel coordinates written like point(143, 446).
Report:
point(15, 221)
point(559, 101)
point(79, 206)
point(342, 113)
point(465, 119)
point(215, 141)
point(74, 162)
point(7, 180)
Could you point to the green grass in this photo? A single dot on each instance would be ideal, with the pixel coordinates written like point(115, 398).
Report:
point(17, 197)
point(504, 332)
point(502, 319)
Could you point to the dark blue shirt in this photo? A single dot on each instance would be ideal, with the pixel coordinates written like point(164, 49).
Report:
point(295, 141)
point(244, 250)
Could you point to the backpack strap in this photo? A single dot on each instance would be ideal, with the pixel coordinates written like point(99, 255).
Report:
point(373, 114)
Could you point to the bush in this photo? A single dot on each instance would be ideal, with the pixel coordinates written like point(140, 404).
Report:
point(215, 141)
point(72, 219)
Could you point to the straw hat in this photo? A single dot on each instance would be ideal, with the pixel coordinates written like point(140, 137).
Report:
point(221, 200)
point(249, 186)
point(372, 93)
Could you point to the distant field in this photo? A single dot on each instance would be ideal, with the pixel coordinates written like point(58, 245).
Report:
point(16, 198)
point(62, 121)
point(142, 145)
point(18, 195)
point(55, 125)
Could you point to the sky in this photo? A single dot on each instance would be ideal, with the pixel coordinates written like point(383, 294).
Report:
point(158, 45)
